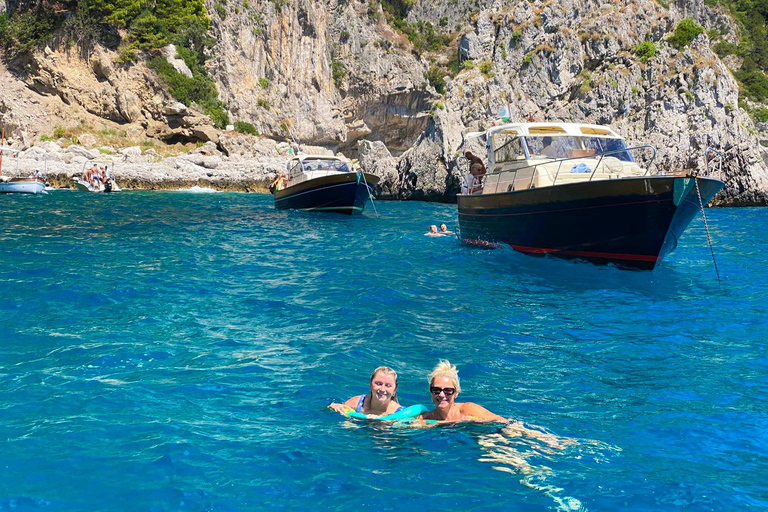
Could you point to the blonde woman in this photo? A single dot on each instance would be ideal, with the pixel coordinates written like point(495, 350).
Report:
point(380, 401)
point(445, 388)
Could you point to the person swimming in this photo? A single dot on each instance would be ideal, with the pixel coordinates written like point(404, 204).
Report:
point(381, 400)
point(444, 230)
point(433, 231)
point(444, 387)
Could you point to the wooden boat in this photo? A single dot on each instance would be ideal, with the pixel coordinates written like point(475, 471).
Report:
point(326, 184)
point(584, 196)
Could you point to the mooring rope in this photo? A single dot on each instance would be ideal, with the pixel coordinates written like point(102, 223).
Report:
point(368, 188)
point(706, 227)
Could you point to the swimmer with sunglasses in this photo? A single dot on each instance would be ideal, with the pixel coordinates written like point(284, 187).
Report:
point(444, 387)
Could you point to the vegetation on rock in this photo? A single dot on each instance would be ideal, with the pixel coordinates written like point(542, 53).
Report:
point(686, 31)
point(645, 51)
point(130, 26)
point(752, 47)
point(244, 127)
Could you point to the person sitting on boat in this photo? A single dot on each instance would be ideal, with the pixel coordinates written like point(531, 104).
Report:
point(444, 230)
point(444, 387)
point(380, 401)
point(433, 231)
point(547, 150)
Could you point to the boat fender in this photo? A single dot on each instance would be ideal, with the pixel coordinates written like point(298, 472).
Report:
point(405, 414)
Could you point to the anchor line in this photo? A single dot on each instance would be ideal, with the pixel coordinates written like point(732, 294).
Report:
point(706, 227)
point(367, 188)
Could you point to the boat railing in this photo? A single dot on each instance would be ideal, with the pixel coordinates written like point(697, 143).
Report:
point(719, 158)
point(303, 176)
point(541, 168)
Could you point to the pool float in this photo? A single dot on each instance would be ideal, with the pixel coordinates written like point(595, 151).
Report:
point(406, 414)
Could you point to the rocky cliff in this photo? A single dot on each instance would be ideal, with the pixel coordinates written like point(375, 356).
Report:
point(338, 74)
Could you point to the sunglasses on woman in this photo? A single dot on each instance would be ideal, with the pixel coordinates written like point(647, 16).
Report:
point(448, 391)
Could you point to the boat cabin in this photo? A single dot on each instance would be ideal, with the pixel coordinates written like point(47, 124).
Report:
point(308, 167)
point(534, 155)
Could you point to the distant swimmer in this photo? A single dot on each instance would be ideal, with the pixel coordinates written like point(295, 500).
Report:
point(433, 231)
point(444, 388)
point(381, 400)
point(444, 230)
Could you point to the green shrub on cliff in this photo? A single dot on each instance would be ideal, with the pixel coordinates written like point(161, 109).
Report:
point(199, 89)
point(26, 30)
point(755, 84)
point(645, 51)
point(761, 114)
point(436, 78)
point(685, 33)
point(337, 72)
point(244, 127)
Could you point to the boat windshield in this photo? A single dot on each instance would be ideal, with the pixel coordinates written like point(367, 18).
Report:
point(552, 147)
point(603, 145)
point(325, 165)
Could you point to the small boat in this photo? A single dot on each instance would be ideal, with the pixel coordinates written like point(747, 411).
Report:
point(32, 184)
point(324, 183)
point(96, 177)
point(576, 191)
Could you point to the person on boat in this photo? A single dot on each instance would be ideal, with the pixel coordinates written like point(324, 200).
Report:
point(278, 183)
point(445, 388)
point(444, 230)
point(433, 231)
point(380, 401)
point(547, 150)
point(476, 165)
point(472, 182)
point(96, 179)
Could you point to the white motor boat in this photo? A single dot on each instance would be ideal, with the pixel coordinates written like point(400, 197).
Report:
point(96, 177)
point(33, 184)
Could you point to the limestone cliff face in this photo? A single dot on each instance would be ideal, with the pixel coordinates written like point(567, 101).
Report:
point(276, 68)
point(333, 73)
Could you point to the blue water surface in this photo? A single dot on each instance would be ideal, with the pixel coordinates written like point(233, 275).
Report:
point(176, 351)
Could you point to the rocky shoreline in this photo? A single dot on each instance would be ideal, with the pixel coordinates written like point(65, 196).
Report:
point(238, 163)
point(205, 166)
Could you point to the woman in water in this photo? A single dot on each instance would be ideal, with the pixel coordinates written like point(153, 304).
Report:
point(444, 387)
point(381, 400)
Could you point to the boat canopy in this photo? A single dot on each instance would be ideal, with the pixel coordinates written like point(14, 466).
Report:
point(318, 163)
point(552, 130)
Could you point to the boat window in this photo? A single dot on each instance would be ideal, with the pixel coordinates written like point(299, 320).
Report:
point(552, 147)
point(326, 165)
point(592, 130)
point(507, 147)
point(605, 145)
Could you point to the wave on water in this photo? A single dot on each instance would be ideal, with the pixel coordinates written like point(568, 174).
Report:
point(198, 190)
point(513, 448)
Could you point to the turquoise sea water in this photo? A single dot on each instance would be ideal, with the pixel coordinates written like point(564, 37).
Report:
point(175, 351)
